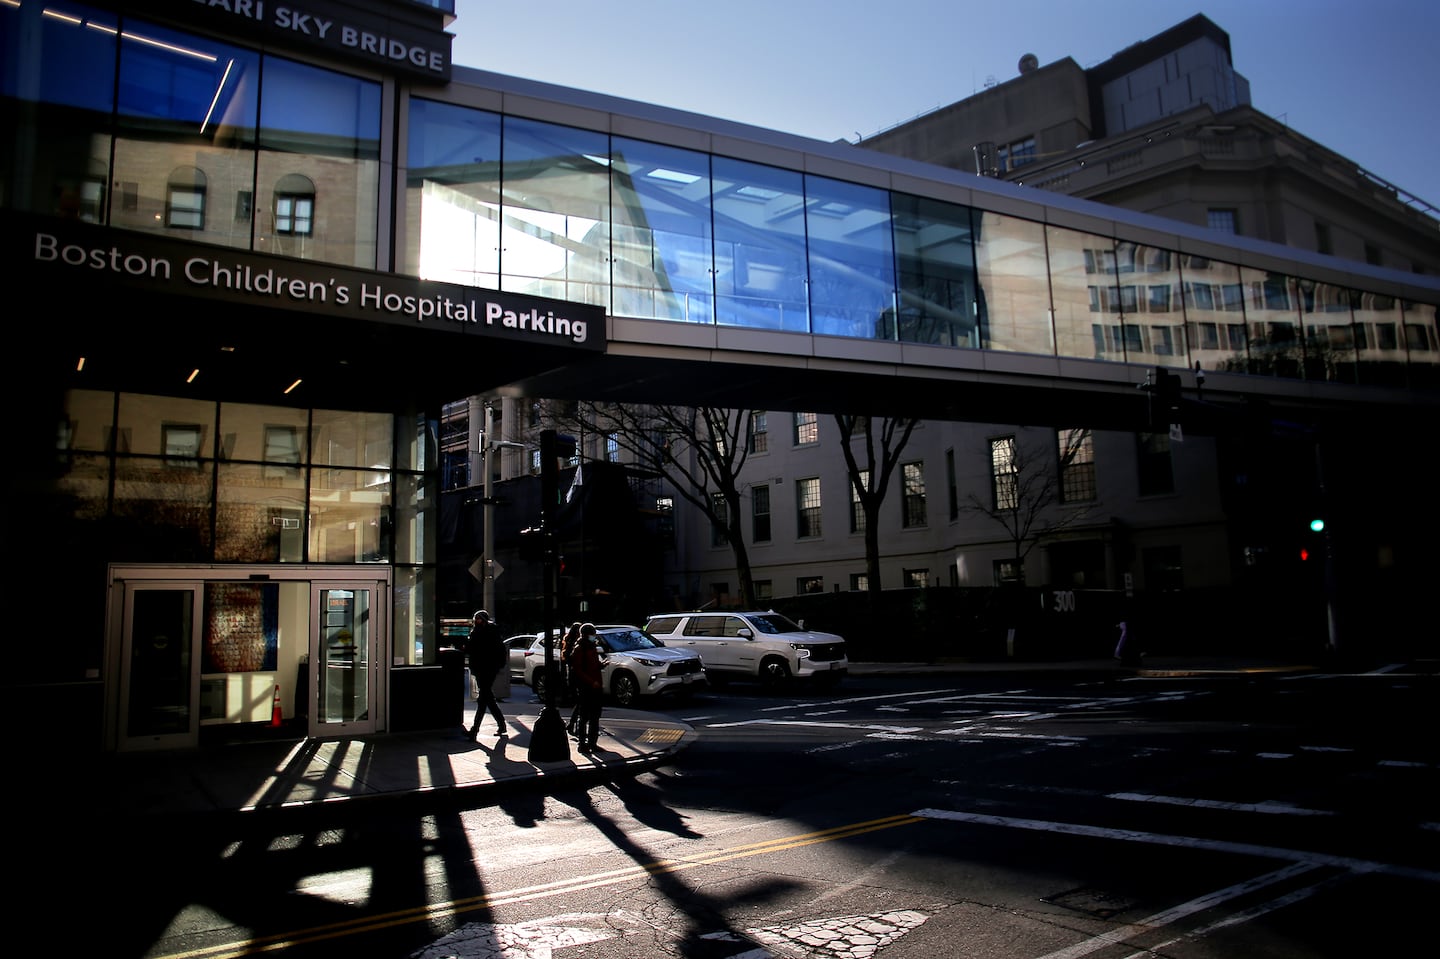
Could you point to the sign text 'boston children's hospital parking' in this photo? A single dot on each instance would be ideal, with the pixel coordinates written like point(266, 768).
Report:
point(215, 273)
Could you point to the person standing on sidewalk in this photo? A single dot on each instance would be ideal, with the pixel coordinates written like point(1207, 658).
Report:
point(590, 684)
point(486, 655)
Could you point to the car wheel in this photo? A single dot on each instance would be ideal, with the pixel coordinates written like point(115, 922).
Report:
point(625, 689)
point(538, 683)
point(774, 673)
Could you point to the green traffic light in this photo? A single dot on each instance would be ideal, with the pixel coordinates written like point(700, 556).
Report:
point(1316, 525)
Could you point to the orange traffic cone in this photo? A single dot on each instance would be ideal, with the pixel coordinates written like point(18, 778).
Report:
point(275, 708)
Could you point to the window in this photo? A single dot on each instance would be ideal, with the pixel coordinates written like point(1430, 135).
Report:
point(719, 535)
point(857, 514)
point(916, 578)
point(760, 513)
point(185, 200)
point(1007, 572)
point(294, 214)
point(859, 582)
point(1322, 238)
point(764, 589)
point(1156, 473)
point(282, 444)
point(612, 447)
point(807, 428)
point(912, 484)
point(181, 443)
point(1222, 220)
point(1372, 255)
point(244, 204)
point(807, 507)
point(1004, 478)
point(1077, 466)
point(759, 439)
point(665, 519)
point(809, 584)
point(1164, 571)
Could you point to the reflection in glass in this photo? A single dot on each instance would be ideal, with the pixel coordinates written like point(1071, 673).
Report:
point(259, 514)
point(661, 235)
point(1329, 331)
point(453, 195)
point(1214, 304)
point(851, 258)
point(161, 641)
point(416, 520)
point(162, 510)
point(759, 246)
point(345, 438)
point(1379, 349)
point(416, 618)
point(1087, 298)
point(1272, 316)
point(322, 127)
point(349, 516)
point(185, 135)
point(554, 233)
point(57, 89)
point(935, 251)
point(1014, 285)
point(1151, 305)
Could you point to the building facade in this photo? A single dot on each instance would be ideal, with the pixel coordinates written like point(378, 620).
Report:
point(259, 261)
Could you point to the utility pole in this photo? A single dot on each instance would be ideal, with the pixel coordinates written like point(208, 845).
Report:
point(548, 742)
point(489, 445)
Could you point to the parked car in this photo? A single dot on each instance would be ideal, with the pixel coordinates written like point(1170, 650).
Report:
point(634, 665)
point(764, 646)
point(519, 645)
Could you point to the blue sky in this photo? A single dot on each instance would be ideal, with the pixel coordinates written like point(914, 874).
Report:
point(1358, 77)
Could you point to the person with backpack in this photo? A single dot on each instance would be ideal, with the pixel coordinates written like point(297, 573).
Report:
point(486, 655)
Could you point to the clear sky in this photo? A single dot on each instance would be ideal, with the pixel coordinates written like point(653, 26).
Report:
point(1361, 77)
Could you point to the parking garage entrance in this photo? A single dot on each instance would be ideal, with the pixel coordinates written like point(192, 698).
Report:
point(211, 650)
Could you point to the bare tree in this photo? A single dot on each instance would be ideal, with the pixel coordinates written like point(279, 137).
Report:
point(700, 452)
point(872, 480)
point(1027, 485)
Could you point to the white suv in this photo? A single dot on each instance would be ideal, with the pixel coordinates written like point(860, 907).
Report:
point(764, 646)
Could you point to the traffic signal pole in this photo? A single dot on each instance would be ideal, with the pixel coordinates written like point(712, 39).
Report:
point(548, 740)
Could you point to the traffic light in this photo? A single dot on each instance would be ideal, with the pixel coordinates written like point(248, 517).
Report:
point(1164, 389)
point(1313, 545)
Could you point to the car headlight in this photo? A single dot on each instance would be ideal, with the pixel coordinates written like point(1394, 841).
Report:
point(652, 663)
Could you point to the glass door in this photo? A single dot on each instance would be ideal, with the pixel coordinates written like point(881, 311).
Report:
point(159, 686)
point(347, 646)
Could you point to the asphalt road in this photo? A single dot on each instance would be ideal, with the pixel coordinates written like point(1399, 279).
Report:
point(998, 816)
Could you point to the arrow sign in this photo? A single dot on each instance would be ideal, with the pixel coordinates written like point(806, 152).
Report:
point(477, 569)
point(496, 569)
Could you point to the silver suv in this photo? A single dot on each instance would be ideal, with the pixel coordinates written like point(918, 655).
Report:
point(764, 646)
point(633, 664)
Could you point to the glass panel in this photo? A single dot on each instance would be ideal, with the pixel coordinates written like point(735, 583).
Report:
point(262, 434)
point(1083, 282)
point(1379, 348)
point(417, 623)
point(161, 639)
point(259, 514)
point(1329, 332)
point(89, 418)
point(1214, 314)
point(323, 126)
point(142, 422)
point(162, 511)
point(1272, 313)
point(934, 244)
point(1014, 285)
point(349, 516)
point(664, 254)
point(57, 90)
point(345, 633)
point(453, 189)
point(555, 228)
point(83, 484)
point(418, 441)
point(342, 438)
point(759, 246)
point(1151, 306)
point(1423, 344)
point(186, 117)
point(416, 520)
point(852, 259)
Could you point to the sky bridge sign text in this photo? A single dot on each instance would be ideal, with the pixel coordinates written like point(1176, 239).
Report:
point(70, 257)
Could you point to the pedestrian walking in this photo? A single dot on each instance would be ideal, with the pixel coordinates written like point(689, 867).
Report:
point(569, 643)
point(486, 655)
point(590, 683)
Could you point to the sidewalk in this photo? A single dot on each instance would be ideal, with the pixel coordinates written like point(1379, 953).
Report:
point(438, 765)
